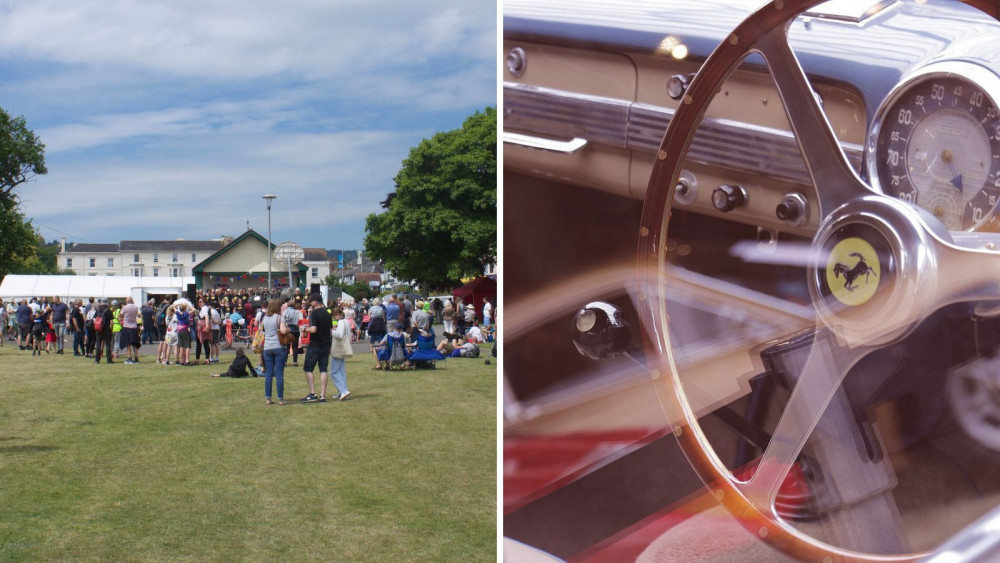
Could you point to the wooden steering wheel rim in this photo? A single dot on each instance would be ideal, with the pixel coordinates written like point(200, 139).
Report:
point(760, 521)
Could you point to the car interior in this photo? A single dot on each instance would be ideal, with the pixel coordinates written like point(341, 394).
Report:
point(751, 298)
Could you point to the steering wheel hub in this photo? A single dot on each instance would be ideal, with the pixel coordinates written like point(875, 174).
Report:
point(871, 264)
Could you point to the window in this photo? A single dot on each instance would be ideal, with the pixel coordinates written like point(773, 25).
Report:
point(315, 272)
point(156, 257)
point(194, 258)
point(93, 262)
point(175, 272)
point(69, 262)
point(135, 258)
point(111, 262)
point(174, 258)
point(156, 272)
point(135, 272)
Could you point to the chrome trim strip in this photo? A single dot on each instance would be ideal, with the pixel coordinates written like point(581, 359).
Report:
point(640, 127)
point(567, 147)
point(561, 114)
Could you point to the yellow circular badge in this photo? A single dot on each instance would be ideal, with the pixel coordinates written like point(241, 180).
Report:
point(852, 271)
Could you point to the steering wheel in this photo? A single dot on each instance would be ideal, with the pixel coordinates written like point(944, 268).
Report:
point(913, 264)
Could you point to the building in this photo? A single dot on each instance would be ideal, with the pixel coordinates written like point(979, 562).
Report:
point(318, 265)
point(243, 263)
point(363, 270)
point(138, 258)
point(220, 263)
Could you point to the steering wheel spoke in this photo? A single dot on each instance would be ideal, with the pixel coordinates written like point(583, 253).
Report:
point(967, 274)
point(822, 373)
point(825, 159)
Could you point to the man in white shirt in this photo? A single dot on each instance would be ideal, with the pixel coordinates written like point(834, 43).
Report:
point(487, 311)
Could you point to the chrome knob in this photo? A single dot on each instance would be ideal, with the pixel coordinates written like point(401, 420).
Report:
point(600, 331)
point(728, 197)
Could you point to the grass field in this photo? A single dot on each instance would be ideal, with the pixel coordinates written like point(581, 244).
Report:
point(148, 462)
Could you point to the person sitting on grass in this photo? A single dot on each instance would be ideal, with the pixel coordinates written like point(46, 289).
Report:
point(456, 348)
point(239, 367)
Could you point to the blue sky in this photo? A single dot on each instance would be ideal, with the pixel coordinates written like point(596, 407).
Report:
point(171, 119)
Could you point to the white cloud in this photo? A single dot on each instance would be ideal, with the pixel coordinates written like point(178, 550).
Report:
point(249, 39)
point(150, 110)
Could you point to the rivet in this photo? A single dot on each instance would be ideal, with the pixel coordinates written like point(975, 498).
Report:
point(655, 373)
point(643, 231)
point(688, 100)
point(733, 39)
point(720, 494)
point(779, 5)
point(991, 246)
point(678, 430)
point(762, 532)
point(662, 154)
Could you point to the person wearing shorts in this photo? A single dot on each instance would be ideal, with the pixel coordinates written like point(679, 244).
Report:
point(129, 339)
point(183, 335)
point(318, 351)
point(215, 320)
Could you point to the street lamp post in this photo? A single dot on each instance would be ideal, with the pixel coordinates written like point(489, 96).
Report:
point(269, 198)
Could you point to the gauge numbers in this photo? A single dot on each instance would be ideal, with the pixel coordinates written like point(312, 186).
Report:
point(939, 147)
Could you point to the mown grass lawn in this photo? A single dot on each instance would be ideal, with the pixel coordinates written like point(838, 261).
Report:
point(148, 462)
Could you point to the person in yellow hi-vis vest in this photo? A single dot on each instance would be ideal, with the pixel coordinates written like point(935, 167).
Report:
point(116, 327)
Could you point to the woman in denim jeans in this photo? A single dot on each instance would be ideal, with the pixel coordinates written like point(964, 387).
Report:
point(275, 355)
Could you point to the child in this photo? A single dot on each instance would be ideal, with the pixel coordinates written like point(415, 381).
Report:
point(50, 335)
point(37, 333)
point(168, 345)
point(239, 366)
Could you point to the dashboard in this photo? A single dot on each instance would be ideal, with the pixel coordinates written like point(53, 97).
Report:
point(748, 270)
point(911, 126)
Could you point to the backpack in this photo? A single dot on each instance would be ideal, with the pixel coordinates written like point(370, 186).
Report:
point(99, 323)
point(398, 355)
point(90, 319)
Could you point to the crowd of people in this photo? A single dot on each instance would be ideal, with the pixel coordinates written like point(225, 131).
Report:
point(281, 326)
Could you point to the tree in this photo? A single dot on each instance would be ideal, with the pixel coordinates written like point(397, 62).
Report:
point(22, 155)
point(440, 224)
point(18, 240)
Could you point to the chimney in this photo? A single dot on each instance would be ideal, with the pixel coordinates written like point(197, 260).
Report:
point(63, 246)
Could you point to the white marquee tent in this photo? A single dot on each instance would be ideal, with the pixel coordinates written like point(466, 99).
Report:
point(106, 287)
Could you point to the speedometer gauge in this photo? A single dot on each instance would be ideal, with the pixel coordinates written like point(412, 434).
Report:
point(936, 144)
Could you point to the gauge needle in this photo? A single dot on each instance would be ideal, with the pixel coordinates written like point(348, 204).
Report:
point(947, 156)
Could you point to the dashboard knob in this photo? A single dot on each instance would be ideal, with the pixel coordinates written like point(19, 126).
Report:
point(793, 209)
point(677, 85)
point(600, 331)
point(728, 197)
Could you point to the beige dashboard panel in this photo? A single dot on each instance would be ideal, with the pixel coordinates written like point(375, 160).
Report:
point(600, 75)
point(586, 72)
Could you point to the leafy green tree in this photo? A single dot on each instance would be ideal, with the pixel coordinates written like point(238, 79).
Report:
point(18, 240)
point(440, 225)
point(22, 155)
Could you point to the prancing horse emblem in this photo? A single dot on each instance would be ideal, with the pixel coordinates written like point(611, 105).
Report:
point(851, 274)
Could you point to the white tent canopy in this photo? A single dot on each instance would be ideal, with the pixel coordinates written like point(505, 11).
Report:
point(82, 287)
